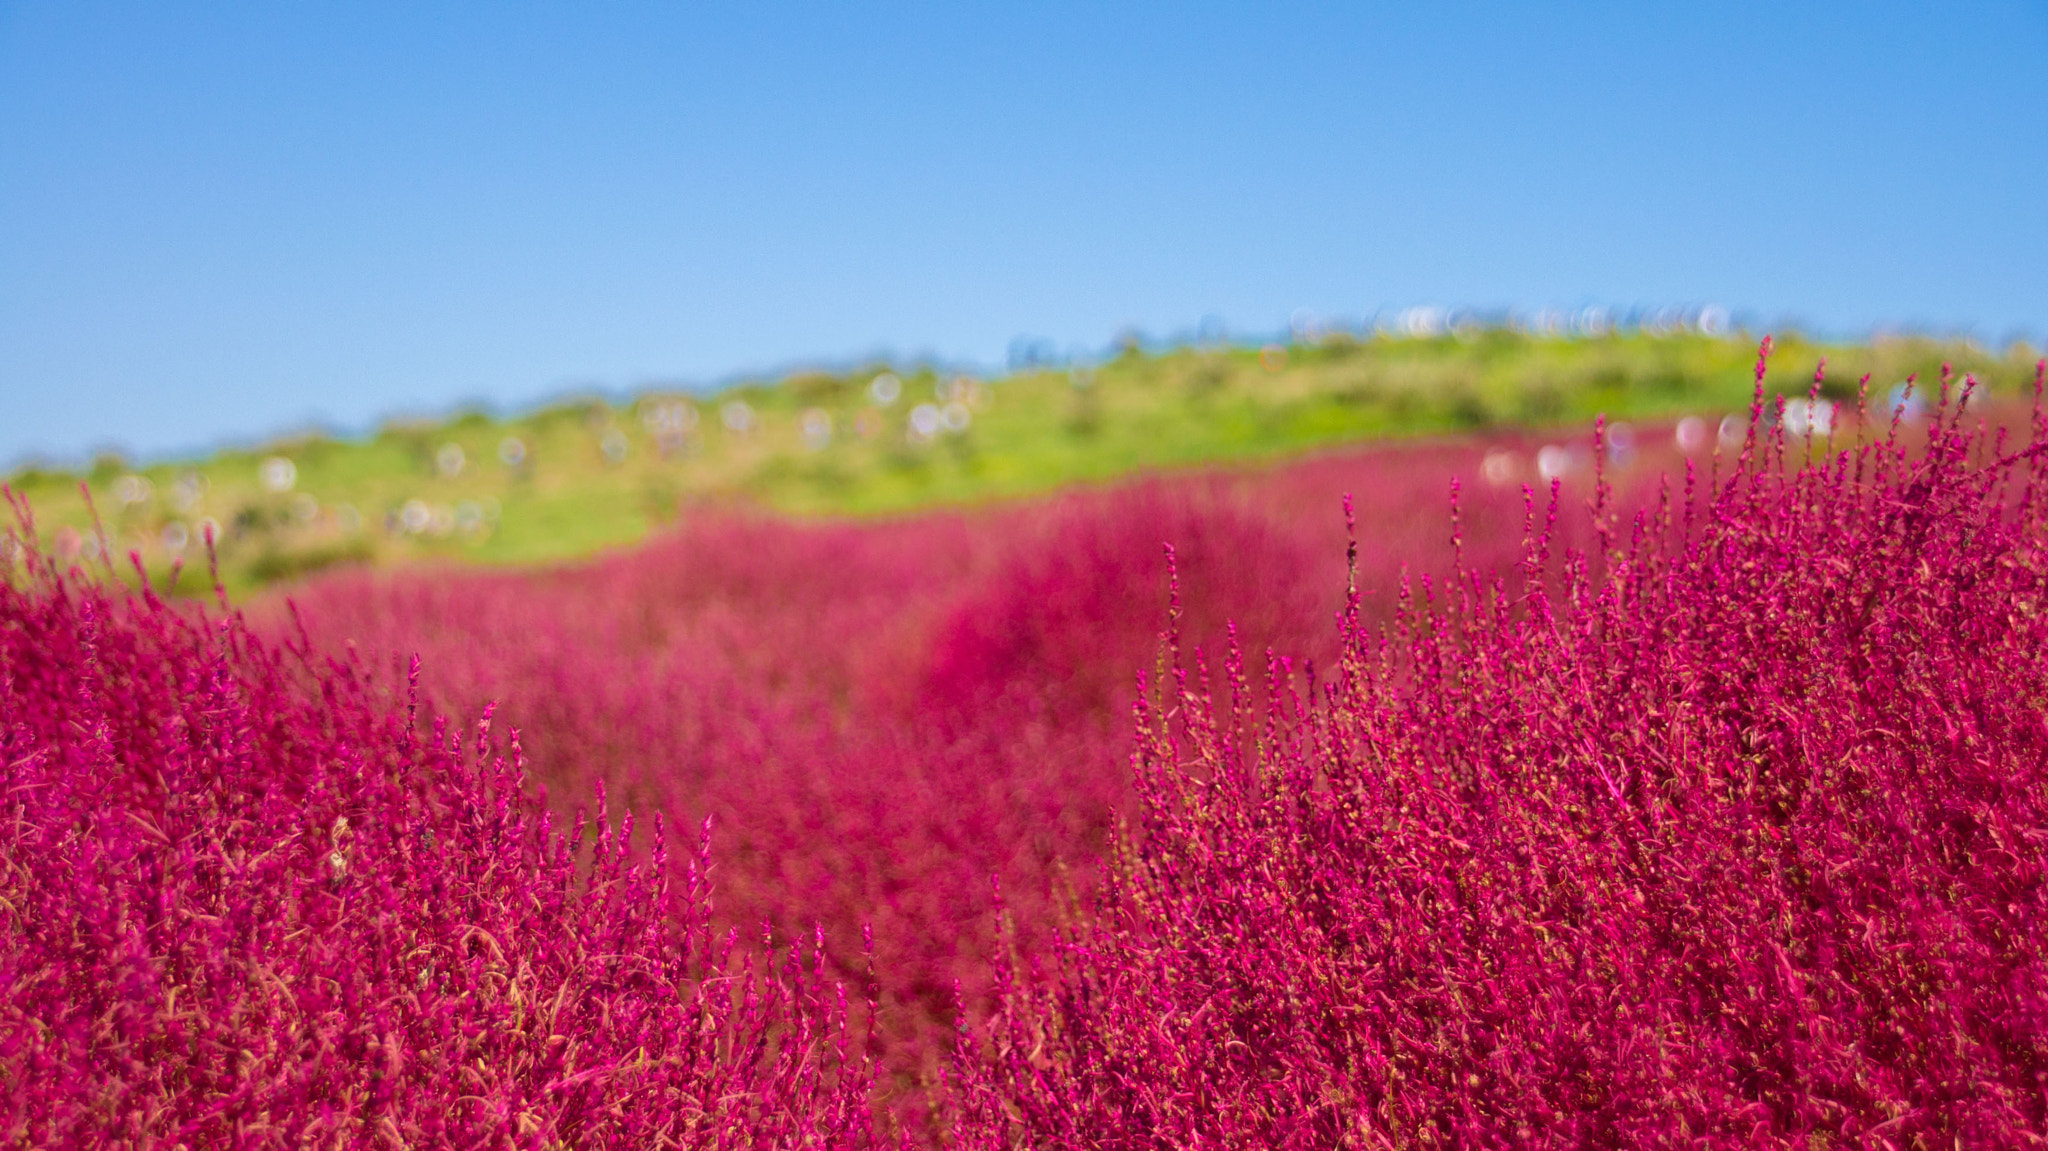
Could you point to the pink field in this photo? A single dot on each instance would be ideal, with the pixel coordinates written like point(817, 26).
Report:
point(880, 718)
point(1711, 822)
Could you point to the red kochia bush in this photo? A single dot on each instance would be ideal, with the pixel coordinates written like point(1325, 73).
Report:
point(1728, 833)
point(241, 904)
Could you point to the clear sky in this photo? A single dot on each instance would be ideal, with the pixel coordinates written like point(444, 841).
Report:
point(219, 221)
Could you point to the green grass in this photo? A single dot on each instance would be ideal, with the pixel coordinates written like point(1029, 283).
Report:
point(1026, 433)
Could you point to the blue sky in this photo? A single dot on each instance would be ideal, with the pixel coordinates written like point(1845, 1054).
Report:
point(221, 221)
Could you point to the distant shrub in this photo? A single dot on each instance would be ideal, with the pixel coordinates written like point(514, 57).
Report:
point(1727, 830)
point(274, 565)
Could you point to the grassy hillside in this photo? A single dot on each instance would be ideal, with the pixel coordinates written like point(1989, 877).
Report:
point(583, 475)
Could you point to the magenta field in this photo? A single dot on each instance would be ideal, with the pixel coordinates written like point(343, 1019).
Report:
point(1698, 798)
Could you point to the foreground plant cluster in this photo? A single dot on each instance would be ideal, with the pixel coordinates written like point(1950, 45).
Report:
point(1729, 833)
point(1709, 815)
point(244, 906)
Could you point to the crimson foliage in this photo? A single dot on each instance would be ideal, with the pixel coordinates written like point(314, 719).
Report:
point(879, 716)
point(1727, 832)
point(1717, 823)
point(243, 904)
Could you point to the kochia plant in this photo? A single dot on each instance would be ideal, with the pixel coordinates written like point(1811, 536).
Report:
point(243, 904)
point(1719, 824)
point(880, 715)
point(1726, 832)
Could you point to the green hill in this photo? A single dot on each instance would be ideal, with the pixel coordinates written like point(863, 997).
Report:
point(582, 475)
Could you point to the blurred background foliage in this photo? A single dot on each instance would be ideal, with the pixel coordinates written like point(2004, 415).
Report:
point(585, 474)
